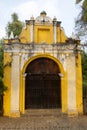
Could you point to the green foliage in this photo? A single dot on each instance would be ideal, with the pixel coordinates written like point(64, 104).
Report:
point(15, 26)
point(1, 60)
point(84, 68)
point(14, 17)
point(84, 5)
point(2, 86)
point(77, 1)
point(83, 13)
point(84, 17)
point(81, 22)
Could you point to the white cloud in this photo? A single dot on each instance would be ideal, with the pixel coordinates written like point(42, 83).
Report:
point(26, 10)
point(2, 33)
point(65, 11)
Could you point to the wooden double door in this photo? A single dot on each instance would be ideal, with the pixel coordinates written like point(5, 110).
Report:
point(42, 85)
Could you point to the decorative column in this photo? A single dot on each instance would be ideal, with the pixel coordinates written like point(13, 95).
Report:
point(54, 26)
point(15, 86)
point(32, 29)
point(71, 83)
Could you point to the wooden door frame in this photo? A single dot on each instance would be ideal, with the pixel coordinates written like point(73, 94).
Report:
point(63, 77)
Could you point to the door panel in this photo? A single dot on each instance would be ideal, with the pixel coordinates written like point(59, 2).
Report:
point(43, 87)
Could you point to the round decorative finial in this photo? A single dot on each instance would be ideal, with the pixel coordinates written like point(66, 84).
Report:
point(32, 18)
point(43, 13)
point(54, 19)
point(43, 18)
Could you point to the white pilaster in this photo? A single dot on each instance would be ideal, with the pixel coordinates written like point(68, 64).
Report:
point(54, 33)
point(15, 84)
point(31, 32)
point(71, 72)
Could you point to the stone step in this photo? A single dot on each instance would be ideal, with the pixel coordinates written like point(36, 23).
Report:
point(42, 112)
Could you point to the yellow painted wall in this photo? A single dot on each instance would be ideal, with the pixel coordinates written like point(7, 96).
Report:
point(58, 35)
point(6, 41)
point(25, 35)
point(64, 93)
point(79, 95)
point(43, 34)
point(22, 93)
point(7, 82)
point(63, 37)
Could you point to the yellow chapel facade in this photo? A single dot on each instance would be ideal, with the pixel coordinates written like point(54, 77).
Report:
point(42, 69)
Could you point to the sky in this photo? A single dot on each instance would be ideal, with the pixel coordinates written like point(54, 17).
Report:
point(64, 10)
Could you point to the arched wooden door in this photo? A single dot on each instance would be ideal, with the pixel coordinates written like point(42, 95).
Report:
point(42, 84)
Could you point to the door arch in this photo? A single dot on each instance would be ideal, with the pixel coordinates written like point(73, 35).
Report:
point(42, 84)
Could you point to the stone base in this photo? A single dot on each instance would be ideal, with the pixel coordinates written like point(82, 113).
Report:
point(72, 113)
point(14, 114)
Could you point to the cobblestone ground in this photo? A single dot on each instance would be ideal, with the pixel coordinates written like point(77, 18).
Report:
point(44, 122)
